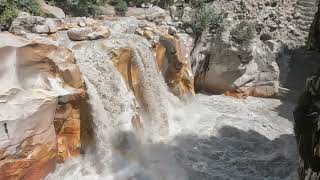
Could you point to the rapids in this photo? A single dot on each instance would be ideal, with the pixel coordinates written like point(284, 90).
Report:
point(211, 138)
point(208, 138)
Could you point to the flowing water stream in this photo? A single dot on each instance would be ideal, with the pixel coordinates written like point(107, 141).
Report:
point(213, 137)
point(209, 138)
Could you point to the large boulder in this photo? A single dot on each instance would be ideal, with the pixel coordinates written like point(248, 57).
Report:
point(51, 11)
point(151, 14)
point(39, 107)
point(226, 65)
point(88, 33)
point(36, 24)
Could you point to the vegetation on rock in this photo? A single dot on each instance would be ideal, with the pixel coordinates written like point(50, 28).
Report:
point(198, 3)
point(79, 7)
point(9, 10)
point(206, 17)
point(8, 13)
point(139, 2)
point(243, 33)
point(121, 7)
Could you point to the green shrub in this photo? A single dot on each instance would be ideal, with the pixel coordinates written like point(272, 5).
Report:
point(121, 8)
point(30, 6)
point(83, 8)
point(243, 33)
point(8, 13)
point(79, 7)
point(9, 10)
point(206, 17)
point(198, 3)
point(139, 2)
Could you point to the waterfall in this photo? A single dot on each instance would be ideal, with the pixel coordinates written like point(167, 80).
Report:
point(120, 152)
point(213, 137)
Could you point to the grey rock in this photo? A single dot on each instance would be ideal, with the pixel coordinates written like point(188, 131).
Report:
point(79, 34)
point(222, 65)
point(41, 29)
point(172, 30)
point(51, 11)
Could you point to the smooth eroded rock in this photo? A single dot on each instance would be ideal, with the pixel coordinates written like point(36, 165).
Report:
point(35, 77)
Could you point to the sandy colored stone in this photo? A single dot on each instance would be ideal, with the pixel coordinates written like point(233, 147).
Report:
point(122, 59)
point(51, 11)
point(177, 68)
point(36, 78)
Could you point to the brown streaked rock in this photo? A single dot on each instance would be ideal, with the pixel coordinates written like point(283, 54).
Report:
point(177, 68)
point(122, 59)
point(35, 78)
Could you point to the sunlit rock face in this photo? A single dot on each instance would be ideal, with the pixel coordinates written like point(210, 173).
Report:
point(39, 119)
point(176, 66)
point(238, 68)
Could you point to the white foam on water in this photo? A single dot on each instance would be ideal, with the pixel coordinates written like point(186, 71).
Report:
point(211, 138)
point(214, 137)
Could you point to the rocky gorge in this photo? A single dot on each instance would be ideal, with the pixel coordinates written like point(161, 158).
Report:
point(142, 96)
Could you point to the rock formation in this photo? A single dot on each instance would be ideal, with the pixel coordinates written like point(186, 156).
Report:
point(306, 11)
point(223, 65)
point(40, 119)
point(51, 11)
point(285, 21)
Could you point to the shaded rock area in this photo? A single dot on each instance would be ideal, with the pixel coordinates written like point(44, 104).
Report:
point(313, 41)
point(306, 114)
point(39, 117)
point(306, 128)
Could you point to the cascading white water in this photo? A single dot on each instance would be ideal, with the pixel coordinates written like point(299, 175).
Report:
point(112, 107)
point(213, 137)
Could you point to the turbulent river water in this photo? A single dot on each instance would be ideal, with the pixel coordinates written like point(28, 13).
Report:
point(211, 138)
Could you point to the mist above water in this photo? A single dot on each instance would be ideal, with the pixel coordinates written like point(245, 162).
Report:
point(214, 137)
point(209, 138)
